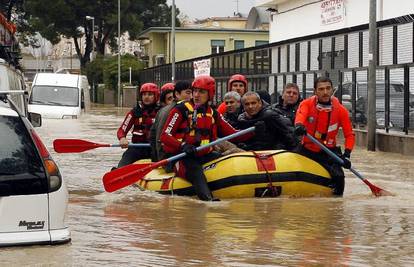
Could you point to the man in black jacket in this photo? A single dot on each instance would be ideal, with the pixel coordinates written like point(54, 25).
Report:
point(279, 131)
point(232, 101)
point(289, 101)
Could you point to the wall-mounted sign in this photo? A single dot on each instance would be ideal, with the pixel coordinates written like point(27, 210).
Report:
point(201, 67)
point(332, 11)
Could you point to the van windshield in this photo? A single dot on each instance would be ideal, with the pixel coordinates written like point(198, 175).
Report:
point(55, 96)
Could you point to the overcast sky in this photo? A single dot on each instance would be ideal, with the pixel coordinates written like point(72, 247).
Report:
point(201, 9)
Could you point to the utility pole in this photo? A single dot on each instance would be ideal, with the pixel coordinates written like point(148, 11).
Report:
point(92, 56)
point(173, 42)
point(372, 56)
point(70, 53)
point(93, 36)
point(119, 53)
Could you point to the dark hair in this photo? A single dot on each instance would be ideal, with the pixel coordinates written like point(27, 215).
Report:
point(264, 95)
point(164, 95)
point(291, 85)
point(321, 79)
point(182, 85)
point(249, 93)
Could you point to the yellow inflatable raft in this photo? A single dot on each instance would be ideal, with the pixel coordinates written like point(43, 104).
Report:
point(270, 173)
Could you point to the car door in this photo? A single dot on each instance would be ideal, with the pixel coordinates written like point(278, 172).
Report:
point(23, 184)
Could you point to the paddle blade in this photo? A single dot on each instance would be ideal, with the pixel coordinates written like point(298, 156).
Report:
point(74, 145)
point(378, 192)
point(128, 175)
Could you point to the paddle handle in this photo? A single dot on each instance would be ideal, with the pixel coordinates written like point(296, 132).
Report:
point(333, 155)
point(132, 145)
point(215, 142)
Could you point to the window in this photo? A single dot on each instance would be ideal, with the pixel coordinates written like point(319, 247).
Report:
point(55, 96)
point(260, 42)
point(21, 168)
point(238, 44)
point(217, 46)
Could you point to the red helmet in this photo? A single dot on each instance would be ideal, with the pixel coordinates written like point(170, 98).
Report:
point(152, 88)
point(205, 82)
point(167, 86)
point(237, 78)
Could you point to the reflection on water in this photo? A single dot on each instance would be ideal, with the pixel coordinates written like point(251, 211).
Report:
point(130, 227)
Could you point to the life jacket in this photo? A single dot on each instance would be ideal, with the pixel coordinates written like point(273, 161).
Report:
point(323, 125)
point(144, 118)
point(199, 127)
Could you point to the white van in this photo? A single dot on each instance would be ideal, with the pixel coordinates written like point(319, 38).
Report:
point(33, 193)
point(59, 96)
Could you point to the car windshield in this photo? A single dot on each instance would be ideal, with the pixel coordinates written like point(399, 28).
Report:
point(55, 96)
point(18, 155)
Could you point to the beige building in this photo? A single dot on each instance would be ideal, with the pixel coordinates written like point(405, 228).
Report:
point(204, 37)
point(221, 22)
point(191, 42)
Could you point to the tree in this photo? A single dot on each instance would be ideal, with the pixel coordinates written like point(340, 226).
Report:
point(105, 70)
point(10, 7)
point(53, 19)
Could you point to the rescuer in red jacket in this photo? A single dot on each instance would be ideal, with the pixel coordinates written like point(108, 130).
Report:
point(194, 123)
point(321, 116)
point(140, 119)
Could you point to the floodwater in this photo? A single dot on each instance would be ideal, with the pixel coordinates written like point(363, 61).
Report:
point(134, 228)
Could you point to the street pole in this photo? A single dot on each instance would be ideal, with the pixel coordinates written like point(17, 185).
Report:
point(119, 53)
point(372, 56)
point(91, 58)
point(70, 54)
point(93, 37)
point(130, 75)
point(173, 42)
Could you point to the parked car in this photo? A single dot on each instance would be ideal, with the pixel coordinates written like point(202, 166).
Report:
point(33, 194)
point(396, 102)
point(59, 96)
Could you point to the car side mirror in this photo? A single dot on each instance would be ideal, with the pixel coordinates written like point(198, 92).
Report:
point(35, 119)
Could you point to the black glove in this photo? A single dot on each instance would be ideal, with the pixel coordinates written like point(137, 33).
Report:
point(346, 158)
point(300, 130)
point(188, 149)
point(259, 128)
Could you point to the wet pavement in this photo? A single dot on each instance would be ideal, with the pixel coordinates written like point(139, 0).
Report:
point(134, 228)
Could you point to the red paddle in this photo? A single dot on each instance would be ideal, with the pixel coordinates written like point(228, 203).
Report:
point(78, 145)
point(378, 192)
point(132, 173)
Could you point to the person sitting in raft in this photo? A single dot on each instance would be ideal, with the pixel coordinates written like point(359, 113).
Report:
point(237, 83)
point(194, 123)
point(140, 119)
point(167, 94)
point(289, 101)
point(182, 92)
point(321, 116)
point(232, 101)
point(279, 132)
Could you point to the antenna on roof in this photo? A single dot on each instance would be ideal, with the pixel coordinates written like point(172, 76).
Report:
point(237, 7)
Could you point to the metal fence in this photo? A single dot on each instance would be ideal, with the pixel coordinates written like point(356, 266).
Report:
point(342, 55)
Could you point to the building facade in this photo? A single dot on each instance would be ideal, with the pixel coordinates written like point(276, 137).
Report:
point(195, 42)
point(297, 18)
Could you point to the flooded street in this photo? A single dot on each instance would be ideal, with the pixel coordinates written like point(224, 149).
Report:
point(134, 228)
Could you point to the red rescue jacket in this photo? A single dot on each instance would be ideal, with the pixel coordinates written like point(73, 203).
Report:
point(196, 127)
point(324, 125)
point(140, 120)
